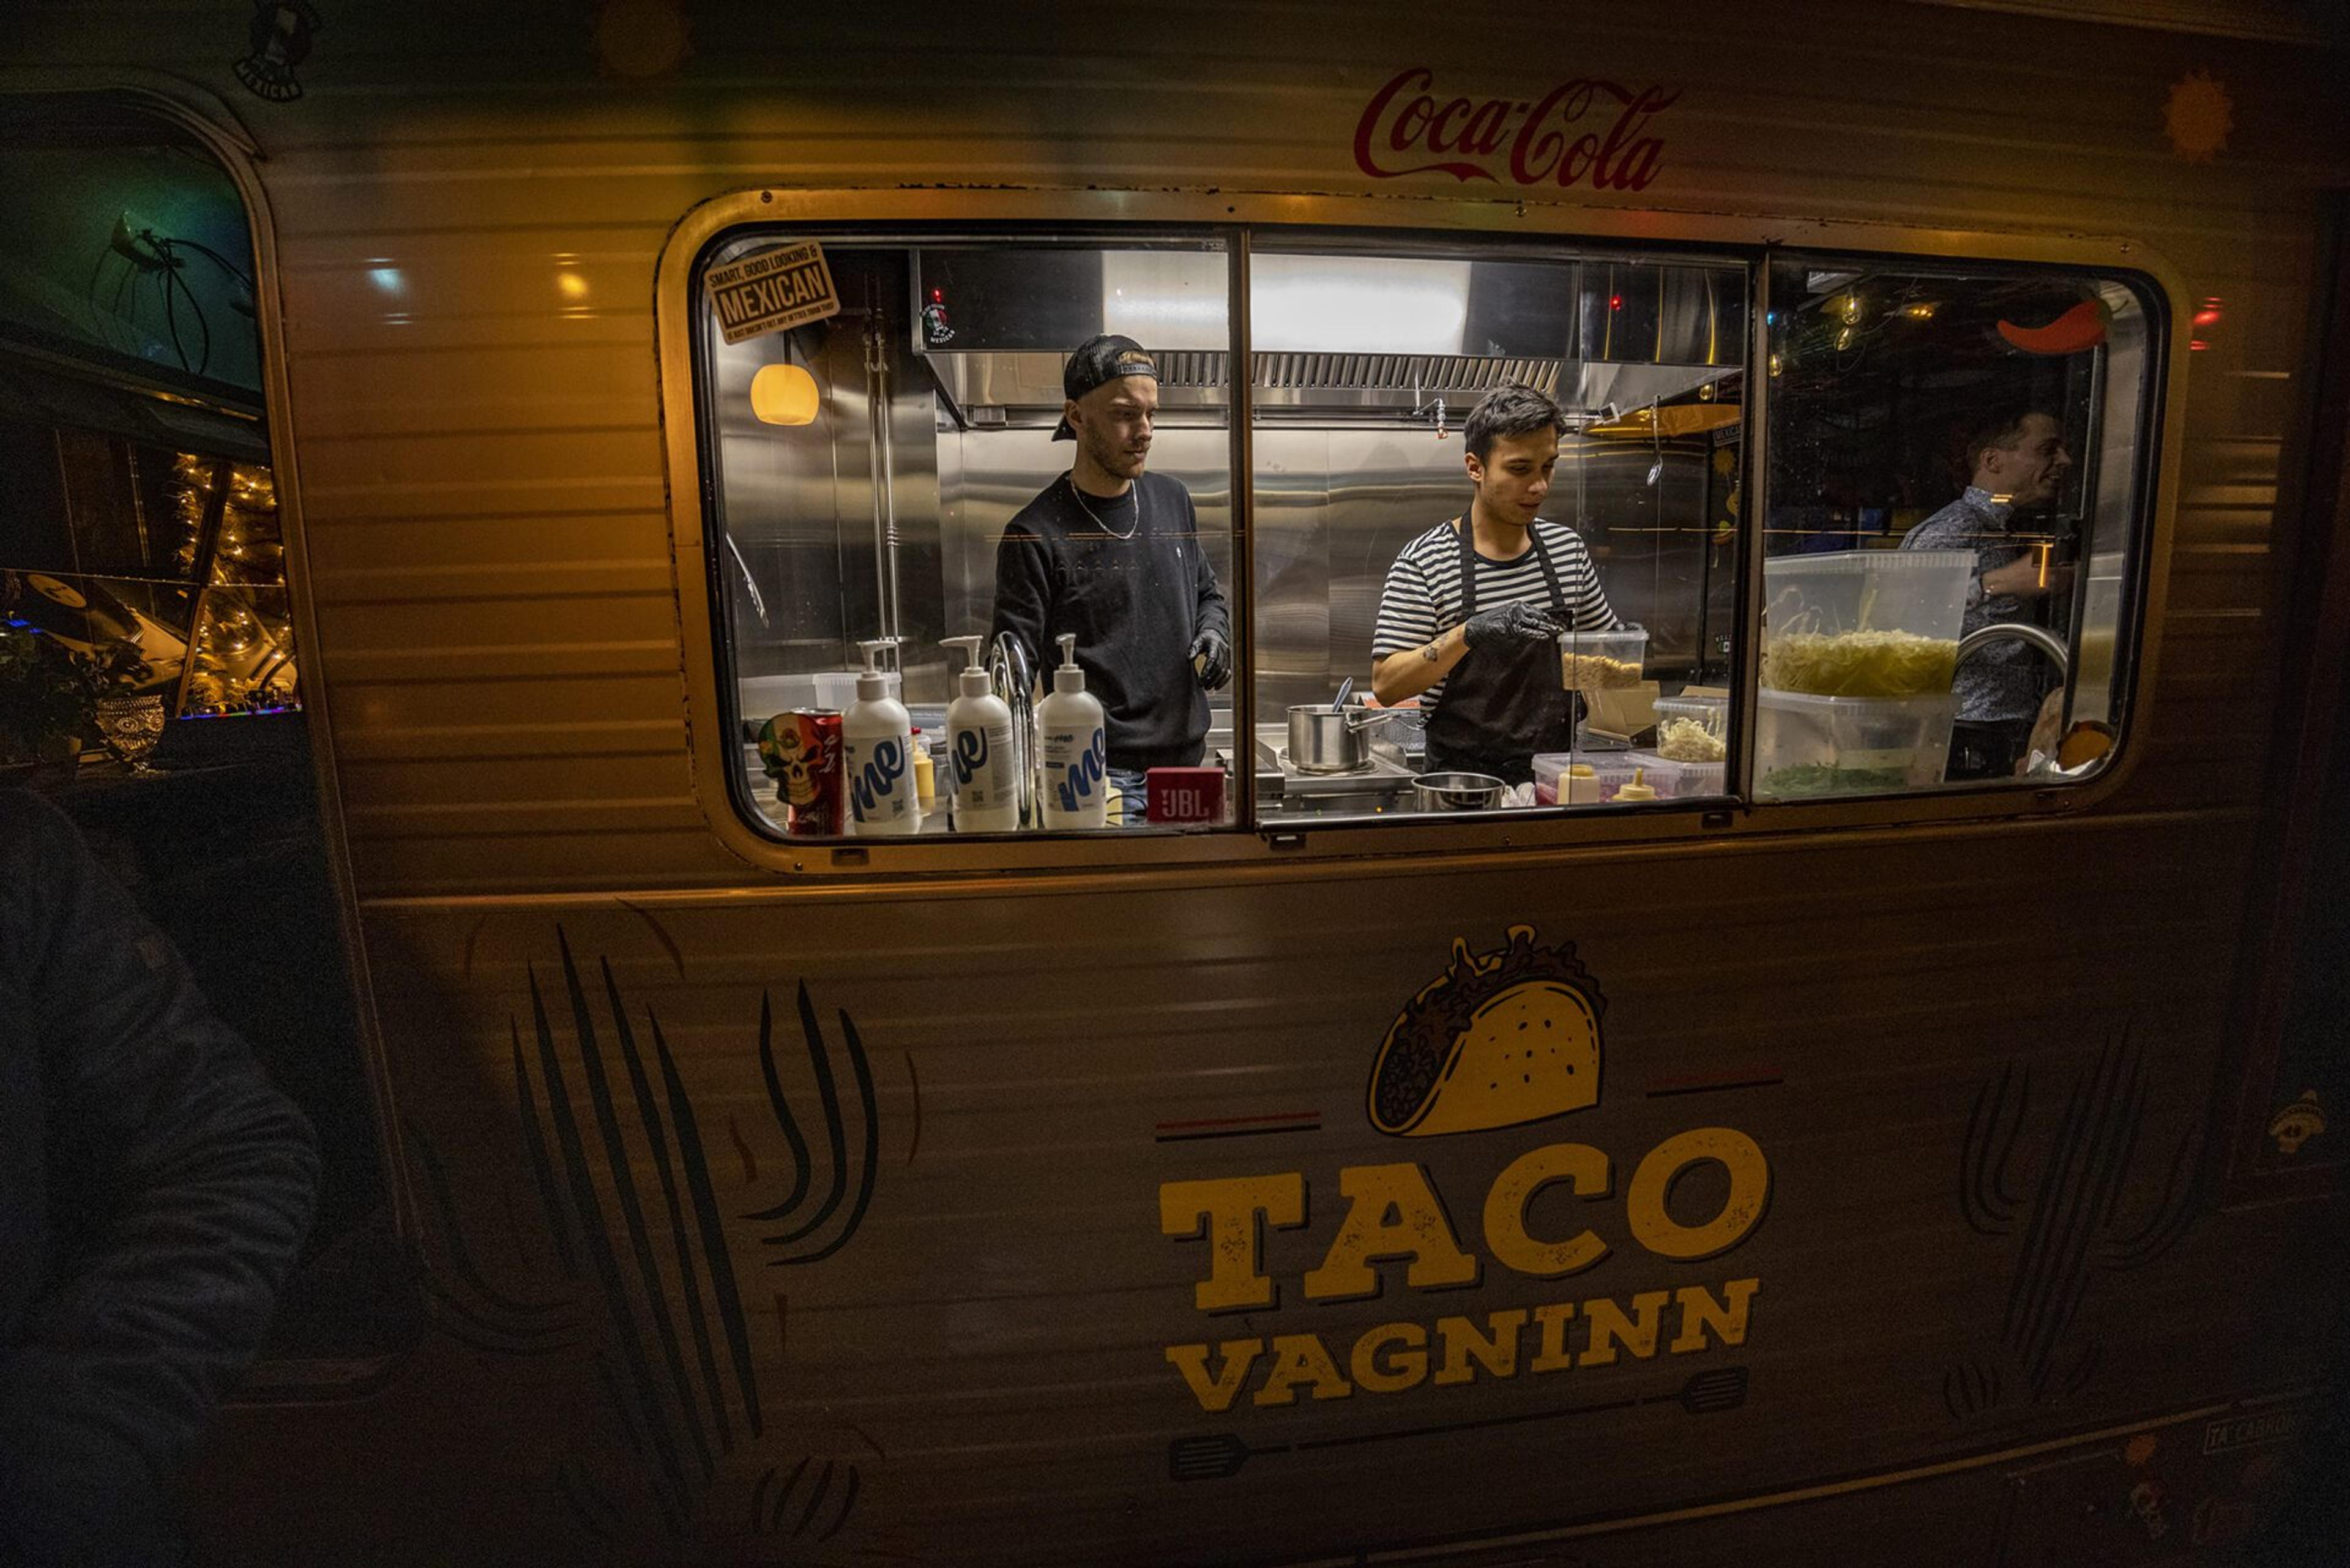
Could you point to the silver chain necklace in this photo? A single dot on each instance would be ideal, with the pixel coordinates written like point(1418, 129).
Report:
point(1096, 516)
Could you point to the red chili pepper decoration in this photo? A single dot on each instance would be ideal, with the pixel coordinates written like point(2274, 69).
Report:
point(2082, 327)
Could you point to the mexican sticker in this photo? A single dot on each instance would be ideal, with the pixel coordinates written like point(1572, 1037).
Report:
point(771, 291)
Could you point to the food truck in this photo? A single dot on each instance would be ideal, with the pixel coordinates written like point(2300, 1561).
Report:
point(1750, 1133)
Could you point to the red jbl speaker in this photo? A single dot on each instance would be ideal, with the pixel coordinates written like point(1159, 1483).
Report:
point(1183, 795)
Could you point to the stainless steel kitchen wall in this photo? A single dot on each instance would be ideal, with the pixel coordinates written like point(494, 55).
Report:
point(827, 557)
point(1334, 507)
point(821, 556)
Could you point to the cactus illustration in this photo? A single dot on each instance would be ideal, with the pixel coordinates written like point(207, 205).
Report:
point(2069, 1216)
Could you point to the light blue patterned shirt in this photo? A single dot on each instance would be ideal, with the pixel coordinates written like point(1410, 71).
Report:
point(2001, 681)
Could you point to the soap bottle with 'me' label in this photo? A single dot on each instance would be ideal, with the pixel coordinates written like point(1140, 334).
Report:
point(979, 751)
point(877, 754)
point(1075, 749)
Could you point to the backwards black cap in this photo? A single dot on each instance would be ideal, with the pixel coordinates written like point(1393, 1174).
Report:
point(1096, 362)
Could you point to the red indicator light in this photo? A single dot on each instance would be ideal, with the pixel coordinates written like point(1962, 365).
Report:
point(1614, 302)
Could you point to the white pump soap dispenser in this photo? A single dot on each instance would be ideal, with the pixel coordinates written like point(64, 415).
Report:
point(876, 753)
point(1077, 754)
point(979, 748)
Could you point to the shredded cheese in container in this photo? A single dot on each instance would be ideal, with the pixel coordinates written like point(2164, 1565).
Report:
point(1686, 740)
point(1589, 672)
point(1859, 663)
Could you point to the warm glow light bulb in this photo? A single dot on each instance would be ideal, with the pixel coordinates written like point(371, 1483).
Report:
point(784, 395)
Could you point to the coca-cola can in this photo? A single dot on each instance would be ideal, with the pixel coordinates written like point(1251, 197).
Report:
point(806, 762)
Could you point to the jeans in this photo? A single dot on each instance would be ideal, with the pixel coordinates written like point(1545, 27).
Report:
point(1131, 796)
point(1986, 748)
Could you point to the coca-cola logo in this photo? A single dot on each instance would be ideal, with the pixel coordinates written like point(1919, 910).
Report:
point(1582, 131)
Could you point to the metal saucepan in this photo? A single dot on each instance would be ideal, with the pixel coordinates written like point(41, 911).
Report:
point(1324, 739)
point(1457, 791)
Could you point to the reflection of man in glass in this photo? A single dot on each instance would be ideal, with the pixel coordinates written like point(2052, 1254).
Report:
point(1112, 554)
point(2017, 462)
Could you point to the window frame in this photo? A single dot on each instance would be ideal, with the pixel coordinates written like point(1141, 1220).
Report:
point(2143, 480)
point(1209, 239)
point(1755, 243)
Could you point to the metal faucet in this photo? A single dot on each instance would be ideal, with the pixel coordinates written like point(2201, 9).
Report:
point(2039, 638)
point(1008, 674)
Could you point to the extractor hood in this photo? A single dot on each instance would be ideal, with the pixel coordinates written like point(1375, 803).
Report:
point(1600, 337)
point(1019, 391)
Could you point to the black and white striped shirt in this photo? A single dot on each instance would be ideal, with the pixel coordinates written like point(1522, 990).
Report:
point(1422, 596)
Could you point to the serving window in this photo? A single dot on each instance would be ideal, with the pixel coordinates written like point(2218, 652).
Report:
point(888, 479)
point(1957, 461)
point(1598, 494)
point(1533, 610)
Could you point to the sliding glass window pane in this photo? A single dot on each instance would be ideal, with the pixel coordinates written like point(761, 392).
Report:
point(892, 474)
point(1954, 512)
point(1411, 592)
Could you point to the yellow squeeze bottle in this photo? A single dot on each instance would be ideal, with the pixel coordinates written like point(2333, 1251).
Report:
point(1640, 789)
point(926, 796)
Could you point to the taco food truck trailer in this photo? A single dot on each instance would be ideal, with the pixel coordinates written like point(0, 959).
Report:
point(1822, 1157)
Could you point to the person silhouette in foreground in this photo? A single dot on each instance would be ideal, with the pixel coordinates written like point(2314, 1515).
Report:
point(154, 1188)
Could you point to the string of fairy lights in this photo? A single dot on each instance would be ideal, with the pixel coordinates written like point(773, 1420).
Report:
point(240, 651)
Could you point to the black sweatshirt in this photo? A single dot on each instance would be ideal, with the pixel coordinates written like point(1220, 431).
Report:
point(1134, 604)
point(153, 1190)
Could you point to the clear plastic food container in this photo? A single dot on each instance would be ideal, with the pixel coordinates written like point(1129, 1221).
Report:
point(1593, 661)
point(1712, 712)
point(1864, 623)
point(835, 690)
point(1807, 746)
point(1675, 780)
point(1613, 770)
point(1693, 729)
point(1671, 780)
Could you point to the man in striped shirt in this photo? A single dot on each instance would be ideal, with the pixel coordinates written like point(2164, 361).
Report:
point(1471, 615)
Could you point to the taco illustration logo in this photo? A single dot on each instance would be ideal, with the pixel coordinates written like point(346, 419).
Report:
point(1499, 1040)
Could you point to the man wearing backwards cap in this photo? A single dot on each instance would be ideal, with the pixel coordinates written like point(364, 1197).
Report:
point(1112, 554)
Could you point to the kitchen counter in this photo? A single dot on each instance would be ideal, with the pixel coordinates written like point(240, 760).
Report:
point(1382, 785)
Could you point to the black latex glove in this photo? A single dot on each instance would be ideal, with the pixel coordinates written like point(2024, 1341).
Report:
point(1212, 656)
point(1511, 626)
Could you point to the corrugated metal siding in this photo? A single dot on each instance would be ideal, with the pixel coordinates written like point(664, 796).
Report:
point(481, 474)
point(2286, 21)
point(998, 1328)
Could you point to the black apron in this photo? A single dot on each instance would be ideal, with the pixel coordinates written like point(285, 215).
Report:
point(1502, 706)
